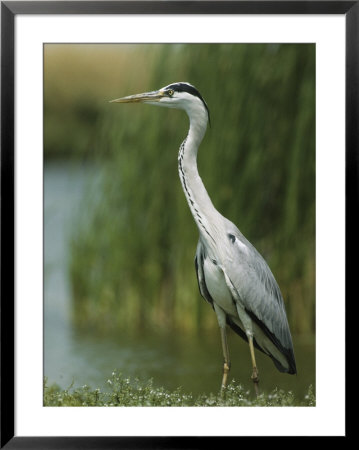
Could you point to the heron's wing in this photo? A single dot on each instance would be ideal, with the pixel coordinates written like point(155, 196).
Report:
point(253, 285)
point(198, 260)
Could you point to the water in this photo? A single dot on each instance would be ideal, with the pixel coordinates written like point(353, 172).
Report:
point(193, 362)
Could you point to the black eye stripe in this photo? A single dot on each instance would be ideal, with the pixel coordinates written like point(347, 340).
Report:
point(184, 87)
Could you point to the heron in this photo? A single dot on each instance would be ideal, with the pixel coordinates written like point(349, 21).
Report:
point(232, 275)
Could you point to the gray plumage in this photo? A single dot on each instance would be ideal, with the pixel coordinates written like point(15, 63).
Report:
point(253, 285)
point(232, 276)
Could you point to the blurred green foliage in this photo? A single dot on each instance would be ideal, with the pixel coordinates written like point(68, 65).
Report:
point(132, 262)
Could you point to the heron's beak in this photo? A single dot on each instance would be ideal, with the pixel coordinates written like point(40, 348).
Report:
point(154, 96)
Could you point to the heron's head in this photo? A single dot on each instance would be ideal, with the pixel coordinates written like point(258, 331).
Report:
point(176, 95)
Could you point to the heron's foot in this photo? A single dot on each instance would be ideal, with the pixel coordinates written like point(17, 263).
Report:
point(255, 379)
point(226, 369)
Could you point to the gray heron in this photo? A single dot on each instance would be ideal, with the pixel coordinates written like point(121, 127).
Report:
point(232, 275)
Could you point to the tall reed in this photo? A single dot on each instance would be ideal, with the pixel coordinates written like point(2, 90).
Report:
point(132, 259)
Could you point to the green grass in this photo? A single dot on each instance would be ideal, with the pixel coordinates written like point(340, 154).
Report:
point(126, 392)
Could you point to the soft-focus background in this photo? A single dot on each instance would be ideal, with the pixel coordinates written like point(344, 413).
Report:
point(120, 286)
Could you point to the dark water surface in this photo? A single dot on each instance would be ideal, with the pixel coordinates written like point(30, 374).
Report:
point(193, 362)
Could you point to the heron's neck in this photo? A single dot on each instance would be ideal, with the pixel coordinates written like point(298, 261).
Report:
point(202, 209)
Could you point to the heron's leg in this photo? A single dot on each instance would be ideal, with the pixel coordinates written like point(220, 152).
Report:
point(254, 376)
point(226, 361)
point(248, 327)
point(221, 317)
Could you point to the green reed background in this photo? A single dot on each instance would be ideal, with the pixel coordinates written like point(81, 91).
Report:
point(133, 245)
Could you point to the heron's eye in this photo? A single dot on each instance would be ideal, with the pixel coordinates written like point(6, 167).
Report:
point(170, 92)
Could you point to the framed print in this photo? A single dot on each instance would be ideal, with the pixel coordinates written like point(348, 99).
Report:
point(105, 340)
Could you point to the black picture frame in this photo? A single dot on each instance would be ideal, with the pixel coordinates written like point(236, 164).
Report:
point(9, 10)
